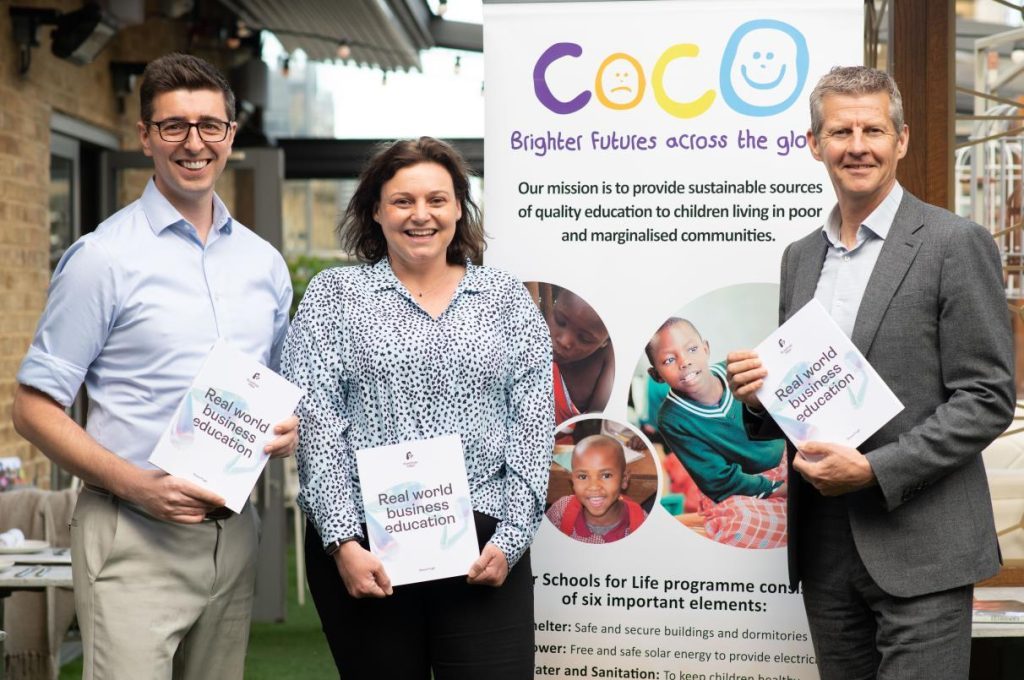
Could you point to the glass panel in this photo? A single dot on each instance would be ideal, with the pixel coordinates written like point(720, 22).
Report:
point(318, 99)
point(64, 221)
point(312, 209)
point(62, 225)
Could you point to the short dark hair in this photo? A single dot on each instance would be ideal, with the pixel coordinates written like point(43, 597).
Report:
point(601, 440)
point(669, 323)
point(178, 71)
point(362, 236)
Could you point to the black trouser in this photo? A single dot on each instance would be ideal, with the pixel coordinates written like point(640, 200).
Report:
point(458, 631)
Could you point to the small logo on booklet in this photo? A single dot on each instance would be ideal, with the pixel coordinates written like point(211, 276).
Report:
point(410, 460)
point(254, 381)
point(785, 347)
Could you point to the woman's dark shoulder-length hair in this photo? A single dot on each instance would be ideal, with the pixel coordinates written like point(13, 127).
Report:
point(362, 236)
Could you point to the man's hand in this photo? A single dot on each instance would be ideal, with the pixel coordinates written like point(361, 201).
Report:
point(833, 469)
point(490, 569)
point(170, 498)
point(287, 439)
point(361, 571)
point(745, 376)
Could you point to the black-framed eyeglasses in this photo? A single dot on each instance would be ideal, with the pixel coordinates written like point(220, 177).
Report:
point(177, 130)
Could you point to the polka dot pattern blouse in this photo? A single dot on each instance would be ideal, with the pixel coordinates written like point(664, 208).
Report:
point(378, 370)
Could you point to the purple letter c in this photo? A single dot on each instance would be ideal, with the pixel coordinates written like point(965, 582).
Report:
point(540, 86)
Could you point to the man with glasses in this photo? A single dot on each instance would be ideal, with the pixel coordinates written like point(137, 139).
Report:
point(163, 573)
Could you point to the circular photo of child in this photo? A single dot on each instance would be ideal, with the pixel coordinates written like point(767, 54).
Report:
point(603, 482)
point(719, 483)
point(584, 361)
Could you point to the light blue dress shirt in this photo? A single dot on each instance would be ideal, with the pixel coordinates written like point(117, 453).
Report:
point(135, 306)
point(845, 273)
point(378, 370)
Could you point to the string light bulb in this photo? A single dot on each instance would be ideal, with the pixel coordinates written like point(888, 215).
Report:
point(458, 64)
point(442, 7)
point(344, 50)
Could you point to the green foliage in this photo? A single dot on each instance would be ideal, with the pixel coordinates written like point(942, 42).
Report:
point(295, 649)
point(303, 268)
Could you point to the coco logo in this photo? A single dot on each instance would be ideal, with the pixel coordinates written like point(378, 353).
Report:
point(763, 70)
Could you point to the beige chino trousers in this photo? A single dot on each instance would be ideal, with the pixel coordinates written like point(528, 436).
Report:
point(159, 600)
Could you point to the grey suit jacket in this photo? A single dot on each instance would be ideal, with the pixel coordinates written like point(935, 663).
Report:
point(934, 324)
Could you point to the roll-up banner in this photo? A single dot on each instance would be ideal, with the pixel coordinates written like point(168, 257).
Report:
point(646, 165)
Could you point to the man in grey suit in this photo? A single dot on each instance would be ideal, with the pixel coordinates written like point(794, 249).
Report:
point(888, 541)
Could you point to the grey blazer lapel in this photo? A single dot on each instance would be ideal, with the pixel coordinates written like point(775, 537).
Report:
point(807, 272)
point(898, 252)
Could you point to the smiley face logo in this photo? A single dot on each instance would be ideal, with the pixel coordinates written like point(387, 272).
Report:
point(762, 70)
point(620, 82)
point(764, 67)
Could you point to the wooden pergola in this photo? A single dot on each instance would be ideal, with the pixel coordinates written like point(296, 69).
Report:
point(921, 59)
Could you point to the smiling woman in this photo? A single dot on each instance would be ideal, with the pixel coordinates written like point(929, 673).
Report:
point(417, 213)
point(415, 344)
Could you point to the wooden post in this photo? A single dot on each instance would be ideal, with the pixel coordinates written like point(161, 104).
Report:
point(921, 53)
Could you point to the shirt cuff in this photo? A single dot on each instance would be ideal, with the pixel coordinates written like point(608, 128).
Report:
point(510, 542)
point(51, 375)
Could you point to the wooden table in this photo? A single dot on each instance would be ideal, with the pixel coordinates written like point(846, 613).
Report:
point(997, 649)
point(998, 630)
point(33, 575)
point(33, 571)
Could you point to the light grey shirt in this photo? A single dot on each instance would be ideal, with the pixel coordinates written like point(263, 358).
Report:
point(845, 273)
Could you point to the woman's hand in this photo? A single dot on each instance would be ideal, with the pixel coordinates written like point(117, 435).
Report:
point(361, 571)
point(490, 569)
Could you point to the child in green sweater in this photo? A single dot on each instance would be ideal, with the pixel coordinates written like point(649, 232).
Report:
point(702, 423)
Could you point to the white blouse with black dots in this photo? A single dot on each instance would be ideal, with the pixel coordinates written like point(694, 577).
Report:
point(378, 370)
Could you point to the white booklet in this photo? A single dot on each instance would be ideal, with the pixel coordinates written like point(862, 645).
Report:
point(217, 435)
point(418, 511)
point(819, 386)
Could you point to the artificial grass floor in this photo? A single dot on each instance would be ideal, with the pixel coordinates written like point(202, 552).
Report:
point(277, 651)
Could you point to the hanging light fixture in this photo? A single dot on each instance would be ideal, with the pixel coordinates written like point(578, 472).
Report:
point(78, 37)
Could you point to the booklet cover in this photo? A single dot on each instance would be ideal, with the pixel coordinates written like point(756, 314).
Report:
point(217, 435)
point(819, 386)
point(998, 611)
point(418, 511)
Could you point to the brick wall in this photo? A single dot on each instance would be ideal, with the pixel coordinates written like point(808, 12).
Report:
point(26, 105)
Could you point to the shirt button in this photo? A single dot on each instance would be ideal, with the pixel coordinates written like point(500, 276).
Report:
point(846, 258)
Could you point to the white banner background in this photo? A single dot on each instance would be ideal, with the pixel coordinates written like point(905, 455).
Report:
point(727, 288)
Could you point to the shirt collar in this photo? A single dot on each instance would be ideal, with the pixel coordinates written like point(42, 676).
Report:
point(161, 214)
point(878, 222)
point(383, 277)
